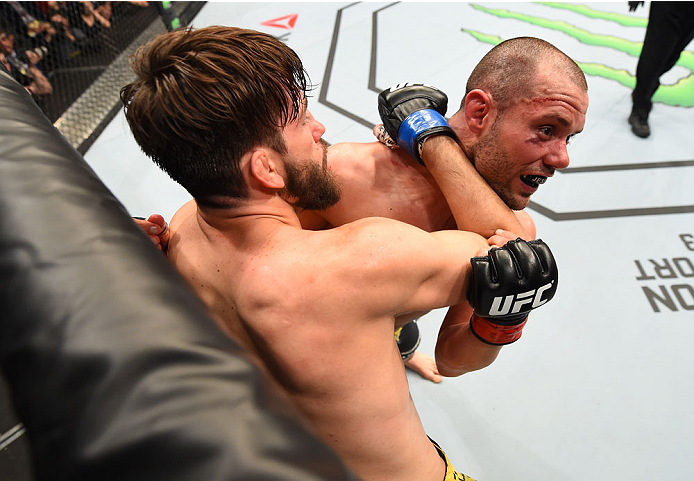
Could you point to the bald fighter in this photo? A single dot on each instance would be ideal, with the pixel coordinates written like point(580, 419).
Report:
point(250, 153)
point(524, 102)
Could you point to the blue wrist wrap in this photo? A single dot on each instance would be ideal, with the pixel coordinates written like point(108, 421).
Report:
point(414, 125)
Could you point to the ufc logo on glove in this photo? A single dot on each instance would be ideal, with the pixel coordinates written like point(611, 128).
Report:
point(535, 296)
point(506, 285)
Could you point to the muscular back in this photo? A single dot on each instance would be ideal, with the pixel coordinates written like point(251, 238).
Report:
point(297, 299)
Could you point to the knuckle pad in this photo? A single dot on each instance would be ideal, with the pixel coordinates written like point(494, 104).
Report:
point(527, 261)
point(481, 268)
point(504, 264)
point(546, 258)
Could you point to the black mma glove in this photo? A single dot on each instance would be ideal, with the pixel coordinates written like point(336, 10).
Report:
point(412, 112)
point(506, 285)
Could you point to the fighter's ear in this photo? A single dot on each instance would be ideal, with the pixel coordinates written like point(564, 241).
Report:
point(479, 110)
point(263, 166)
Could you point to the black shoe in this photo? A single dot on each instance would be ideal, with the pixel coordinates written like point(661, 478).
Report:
point(639, 125)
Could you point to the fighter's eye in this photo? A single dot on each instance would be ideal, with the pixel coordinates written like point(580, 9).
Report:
point(547, 131)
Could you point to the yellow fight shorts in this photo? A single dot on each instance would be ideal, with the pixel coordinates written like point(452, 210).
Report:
point(451, 473)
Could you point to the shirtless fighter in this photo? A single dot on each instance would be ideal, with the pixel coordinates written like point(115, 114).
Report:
point(524, 101)
point(223, 111)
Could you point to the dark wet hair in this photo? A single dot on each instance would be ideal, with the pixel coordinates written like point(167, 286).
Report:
point(205, 97)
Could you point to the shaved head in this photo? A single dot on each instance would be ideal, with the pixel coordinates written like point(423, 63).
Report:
point(509, 70)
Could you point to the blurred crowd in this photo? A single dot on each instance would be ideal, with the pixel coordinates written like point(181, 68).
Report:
point(37, 38)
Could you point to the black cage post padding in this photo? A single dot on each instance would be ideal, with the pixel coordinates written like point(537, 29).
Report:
point(114, 366)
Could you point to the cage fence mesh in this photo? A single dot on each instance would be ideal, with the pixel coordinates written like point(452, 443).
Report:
point(73, 56)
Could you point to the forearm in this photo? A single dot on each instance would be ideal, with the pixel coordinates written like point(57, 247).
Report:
point(458, 350)
point(506, 285)
point(475, 206)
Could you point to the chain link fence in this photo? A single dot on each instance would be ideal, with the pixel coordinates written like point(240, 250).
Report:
point(73, 56)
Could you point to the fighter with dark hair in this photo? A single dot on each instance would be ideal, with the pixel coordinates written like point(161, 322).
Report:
point(317, 308)
point(523, 103)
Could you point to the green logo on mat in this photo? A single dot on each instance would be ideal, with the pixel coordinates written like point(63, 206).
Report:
point(679, 94)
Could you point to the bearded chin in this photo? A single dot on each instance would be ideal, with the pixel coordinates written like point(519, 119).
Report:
point(320, 198)
point(310, 187)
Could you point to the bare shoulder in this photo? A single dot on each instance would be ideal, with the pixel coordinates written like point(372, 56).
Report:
point(379, 240)
point(362, 244)
point(355, 156)
point(372, 229)
point(364, 148)
point(186, 212)
point(404, 267)
point(373, 159)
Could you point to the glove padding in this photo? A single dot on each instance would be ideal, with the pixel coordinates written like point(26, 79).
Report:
point(408, 338)
point(506, 285)
point(412, 112)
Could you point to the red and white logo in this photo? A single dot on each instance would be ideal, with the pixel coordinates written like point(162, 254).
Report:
point(287, 22)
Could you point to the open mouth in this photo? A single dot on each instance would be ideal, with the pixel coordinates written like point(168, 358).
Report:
point(533, 180)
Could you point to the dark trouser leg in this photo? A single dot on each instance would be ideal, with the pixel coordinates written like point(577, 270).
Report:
point(670, 29)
